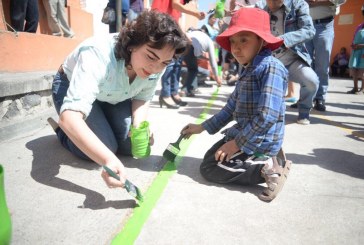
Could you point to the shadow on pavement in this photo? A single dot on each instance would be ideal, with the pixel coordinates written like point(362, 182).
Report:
point(190, 167)
point(49, 155)
point(339, 161)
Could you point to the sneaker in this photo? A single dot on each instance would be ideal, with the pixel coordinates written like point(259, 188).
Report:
point(320, 105)
point(303, 118)
point(359, 92)
point(303, 121)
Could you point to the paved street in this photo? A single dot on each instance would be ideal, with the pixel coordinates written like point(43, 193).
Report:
point(56, 198)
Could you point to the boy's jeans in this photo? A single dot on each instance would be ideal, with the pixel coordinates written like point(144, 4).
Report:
point(111, 123)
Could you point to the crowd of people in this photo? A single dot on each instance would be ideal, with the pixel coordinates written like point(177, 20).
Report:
point(104, 87)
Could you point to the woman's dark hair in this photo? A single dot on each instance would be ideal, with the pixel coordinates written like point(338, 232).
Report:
point(153, 28)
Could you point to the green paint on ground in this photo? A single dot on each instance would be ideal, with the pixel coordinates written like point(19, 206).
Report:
point(135, 223)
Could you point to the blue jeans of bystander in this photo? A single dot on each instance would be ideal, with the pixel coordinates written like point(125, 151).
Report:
point(300, 72)
point(170, 78)
point(320, 50)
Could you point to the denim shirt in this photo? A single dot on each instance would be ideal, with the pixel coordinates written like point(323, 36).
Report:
point(257, 106)
point(298, 26)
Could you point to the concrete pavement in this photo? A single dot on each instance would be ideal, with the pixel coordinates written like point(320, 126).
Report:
point(56, 198)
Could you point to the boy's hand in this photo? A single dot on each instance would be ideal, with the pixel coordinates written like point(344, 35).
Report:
point(191, 129)
point(226, 151)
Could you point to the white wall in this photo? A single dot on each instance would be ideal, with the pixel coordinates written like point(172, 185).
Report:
point(96, 7)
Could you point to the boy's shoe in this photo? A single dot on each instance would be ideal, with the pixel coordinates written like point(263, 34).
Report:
point(275, 178)
point(320, 105)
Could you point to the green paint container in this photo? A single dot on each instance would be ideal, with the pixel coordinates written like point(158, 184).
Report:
point(140, 145)
point(5, 221)
point(220, 9)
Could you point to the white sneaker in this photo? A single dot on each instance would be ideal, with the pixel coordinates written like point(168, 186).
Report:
point(303, 121)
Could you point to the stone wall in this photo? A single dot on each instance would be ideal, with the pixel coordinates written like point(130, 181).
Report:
point(25, 103)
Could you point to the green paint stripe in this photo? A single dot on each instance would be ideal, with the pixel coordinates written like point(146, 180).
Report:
point(134, 225)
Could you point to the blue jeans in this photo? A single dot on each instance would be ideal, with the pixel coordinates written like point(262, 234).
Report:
point(320, 50)
point(170, 78)
point(300, 72)
point(110, 123)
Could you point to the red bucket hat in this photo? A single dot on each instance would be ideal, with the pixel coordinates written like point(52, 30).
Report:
point(249, 19)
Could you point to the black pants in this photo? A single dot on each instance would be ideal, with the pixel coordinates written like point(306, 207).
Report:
point(24, 10)
point(242, 169)
point(192, 68)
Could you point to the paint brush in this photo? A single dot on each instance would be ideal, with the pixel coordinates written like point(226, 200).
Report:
point(132, 189)
point(172, 150)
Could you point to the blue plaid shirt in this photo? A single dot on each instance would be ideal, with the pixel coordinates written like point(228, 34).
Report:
point(257, 105)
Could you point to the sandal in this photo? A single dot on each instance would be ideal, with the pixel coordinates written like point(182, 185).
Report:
point(275, 179)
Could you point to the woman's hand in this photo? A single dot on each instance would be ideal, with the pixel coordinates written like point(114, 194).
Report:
point(191, 129)
point(118, 168)
point(226, 151)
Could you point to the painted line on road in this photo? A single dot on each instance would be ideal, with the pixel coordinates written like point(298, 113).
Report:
point(339, 125)
point(134, 224)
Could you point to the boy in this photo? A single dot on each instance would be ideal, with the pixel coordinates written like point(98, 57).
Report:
point(247, 153)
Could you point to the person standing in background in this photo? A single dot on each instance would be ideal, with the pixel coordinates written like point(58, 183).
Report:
point(291, 21)
point(210, 29)
point(319, 48)
point(125, 7)
point(170, 80)
point(356, 62)
point(136, 7)
point(57, 18)
point(24, 11)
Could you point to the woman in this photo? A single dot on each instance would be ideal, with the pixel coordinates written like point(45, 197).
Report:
point(106, 84)
point(356, 62)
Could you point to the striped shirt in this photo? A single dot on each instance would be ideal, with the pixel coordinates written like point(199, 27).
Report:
point(257, 106)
